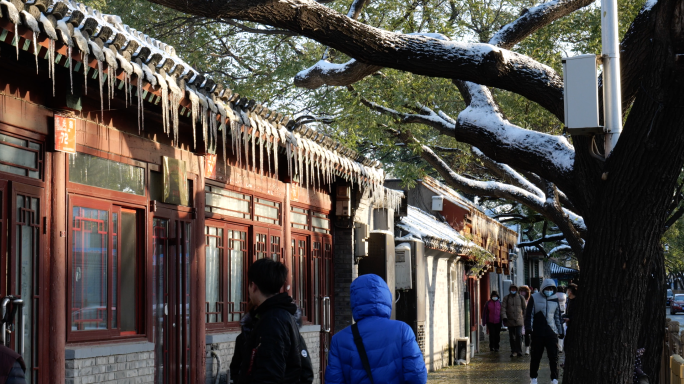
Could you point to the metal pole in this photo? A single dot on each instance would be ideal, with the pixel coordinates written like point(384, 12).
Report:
point(612, 95)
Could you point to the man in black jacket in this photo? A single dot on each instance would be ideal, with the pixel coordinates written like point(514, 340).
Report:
point(271, 351)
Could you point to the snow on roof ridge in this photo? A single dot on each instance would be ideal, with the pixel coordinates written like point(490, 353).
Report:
point(424, 226)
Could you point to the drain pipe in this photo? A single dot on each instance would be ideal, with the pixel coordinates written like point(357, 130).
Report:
point(218, 361)
point(612, 92)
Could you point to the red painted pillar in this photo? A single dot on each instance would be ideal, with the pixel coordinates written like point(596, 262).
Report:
point(198, 345)
point(57, 299)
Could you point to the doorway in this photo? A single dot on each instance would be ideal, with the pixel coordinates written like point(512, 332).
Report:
point(21, 246)
point(172, 250)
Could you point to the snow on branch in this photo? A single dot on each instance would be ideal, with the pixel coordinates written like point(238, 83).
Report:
point(533, 19)
point(507, 173)
point(547, 206)
point(544, 239)
point(484, 116)
point(563, 247)
point(326, 73)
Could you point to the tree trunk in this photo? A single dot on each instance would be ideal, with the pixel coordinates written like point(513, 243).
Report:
point(621, 305)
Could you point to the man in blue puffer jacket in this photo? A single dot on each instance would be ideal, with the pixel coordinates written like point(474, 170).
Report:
point(391, 346)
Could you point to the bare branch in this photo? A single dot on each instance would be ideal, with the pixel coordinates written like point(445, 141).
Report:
point(260, 31)
point(508, 174)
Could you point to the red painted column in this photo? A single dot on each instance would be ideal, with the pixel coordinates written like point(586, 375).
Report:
point(199, 284)
point(57, 299)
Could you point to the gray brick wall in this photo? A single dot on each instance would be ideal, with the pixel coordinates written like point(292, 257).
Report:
point(131, 368)
point(224, 346)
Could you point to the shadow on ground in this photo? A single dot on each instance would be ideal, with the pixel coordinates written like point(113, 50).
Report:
point(494, 368)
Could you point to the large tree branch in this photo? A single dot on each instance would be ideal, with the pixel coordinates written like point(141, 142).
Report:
point(483, 126)
point(326, 73)
point(422, 55)
point(570, 224)
point(506, 173)
point(543, 239)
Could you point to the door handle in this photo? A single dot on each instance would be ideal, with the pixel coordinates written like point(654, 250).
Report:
point(3, 312)
point(326, 314)
point(22, 321)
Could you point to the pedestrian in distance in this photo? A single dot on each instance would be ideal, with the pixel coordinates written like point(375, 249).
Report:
point(271, 351)
point(562, 301)
point(493, 319)
point(514, 306)
point(524, 291)
point(543, 322)
point(375, 349)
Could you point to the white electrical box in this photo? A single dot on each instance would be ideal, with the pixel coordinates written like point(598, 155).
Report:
point(580, 92)
point(403, 273)
point(437, 203)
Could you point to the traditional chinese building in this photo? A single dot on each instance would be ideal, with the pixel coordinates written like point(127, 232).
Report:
point(134, 195)
point(458, 255)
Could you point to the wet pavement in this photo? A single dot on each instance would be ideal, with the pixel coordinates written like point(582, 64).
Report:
point(494, 368)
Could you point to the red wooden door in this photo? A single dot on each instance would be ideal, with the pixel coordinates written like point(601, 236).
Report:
point(300, 272)
point(172, 249)
point(23, 233)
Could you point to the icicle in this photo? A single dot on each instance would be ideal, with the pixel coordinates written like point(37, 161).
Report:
point(261, 151)
point(204, 126)
point(51, 64)
point(99, 82)
point(253, 137)
point(301, 163)
point(164, 103)
point(223, 136)
point(16, 37)
point(71, 70)
point(141, 109)
point(275, 155)
point(268, 156)
point(176, 96)
point(36, 49)
point(288, 149)
point(194, 101)
point(245, 145)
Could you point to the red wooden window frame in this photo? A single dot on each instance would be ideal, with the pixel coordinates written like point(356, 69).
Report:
point(228, 309)
point(109, 333)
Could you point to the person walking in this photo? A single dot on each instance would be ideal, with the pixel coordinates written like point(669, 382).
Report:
point(562, 300)
point(270, 351)
point(493, 319)
point(375, 349)
point(247, 323)
point(514, 306)
point(524, 291)
point(543, 322)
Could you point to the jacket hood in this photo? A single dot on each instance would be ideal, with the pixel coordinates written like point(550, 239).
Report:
point(370, 296)
point(548, 283)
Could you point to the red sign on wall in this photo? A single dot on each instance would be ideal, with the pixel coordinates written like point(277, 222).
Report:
point(210, 166)
point(65, 134)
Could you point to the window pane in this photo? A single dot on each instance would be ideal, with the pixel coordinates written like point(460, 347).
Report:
point(214, 251)
point(267, 211)
point(23, 162)
point(238, 247)
point(299, 218)
point(275, 248)
point(129, 253)
point(320, 222)
point(89, 269)
point(108, 174)
point(227, 202)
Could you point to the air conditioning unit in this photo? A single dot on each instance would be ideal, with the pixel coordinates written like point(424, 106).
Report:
point(403, 272)
point(580, 93)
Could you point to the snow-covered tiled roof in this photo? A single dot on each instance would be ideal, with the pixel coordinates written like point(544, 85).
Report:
point(434, 233)
point(75, 36)
point(442, 190)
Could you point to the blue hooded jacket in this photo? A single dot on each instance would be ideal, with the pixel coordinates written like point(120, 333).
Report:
point(391, 346)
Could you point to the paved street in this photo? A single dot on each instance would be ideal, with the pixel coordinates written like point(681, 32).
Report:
point(493, 368)
point(678, 317)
